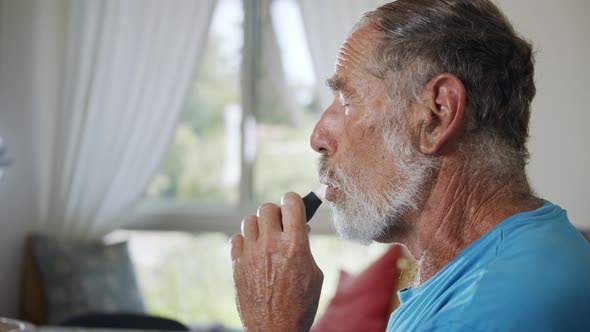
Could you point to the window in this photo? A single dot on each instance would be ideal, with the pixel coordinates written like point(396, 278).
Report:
point(233, 150)
point(203, 162)
point(243, 139)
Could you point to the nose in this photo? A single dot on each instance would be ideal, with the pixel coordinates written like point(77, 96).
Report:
point(322, 138)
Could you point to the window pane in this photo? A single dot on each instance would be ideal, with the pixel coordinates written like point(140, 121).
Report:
point(185, 277)
point(203, 161)
point(189, 278)
point(288, 107)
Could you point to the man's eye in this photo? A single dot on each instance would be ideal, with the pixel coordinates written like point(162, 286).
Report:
point(345, 105)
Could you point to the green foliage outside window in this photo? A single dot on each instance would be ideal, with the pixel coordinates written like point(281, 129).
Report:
point(189, 278)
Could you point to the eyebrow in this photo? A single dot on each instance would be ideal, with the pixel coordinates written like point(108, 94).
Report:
point(335, 84)
point(338, 85)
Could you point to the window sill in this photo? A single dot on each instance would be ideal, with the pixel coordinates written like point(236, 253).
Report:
point(190, 216)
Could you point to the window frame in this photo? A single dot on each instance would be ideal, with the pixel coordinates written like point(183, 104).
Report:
point(166, 214)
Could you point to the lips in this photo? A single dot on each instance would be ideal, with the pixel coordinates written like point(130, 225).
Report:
point(328, 176)
point(332, 192)
point(329, 184)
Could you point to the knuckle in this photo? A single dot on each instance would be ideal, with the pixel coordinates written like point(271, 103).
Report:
point(249, 224)
point(267, 207)
point(300, 240)
point(290, 198)
point(249, 219)
point(292, 195)
point(235, 239)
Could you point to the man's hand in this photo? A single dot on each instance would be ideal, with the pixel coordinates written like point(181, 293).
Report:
point(277, 282)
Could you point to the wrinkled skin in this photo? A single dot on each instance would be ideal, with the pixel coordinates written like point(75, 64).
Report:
point(277, 282)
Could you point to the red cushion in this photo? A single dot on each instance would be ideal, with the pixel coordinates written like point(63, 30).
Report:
point(362, 303)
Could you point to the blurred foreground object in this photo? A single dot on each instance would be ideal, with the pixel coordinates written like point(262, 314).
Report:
point(12, 325)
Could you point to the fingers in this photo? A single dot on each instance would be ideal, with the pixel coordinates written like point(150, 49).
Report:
point(269, 219)
point(237, 243)
point(272, 219)
point(293, 213)
point(250, 228)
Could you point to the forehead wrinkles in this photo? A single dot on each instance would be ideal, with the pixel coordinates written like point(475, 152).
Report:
point(355, 53)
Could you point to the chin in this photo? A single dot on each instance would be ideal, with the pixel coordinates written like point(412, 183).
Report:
point(363, 230)
point(363, 221)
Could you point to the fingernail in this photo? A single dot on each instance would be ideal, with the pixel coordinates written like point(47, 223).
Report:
point(282, 200)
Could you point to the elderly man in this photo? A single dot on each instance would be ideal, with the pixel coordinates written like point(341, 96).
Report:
point(425, 145)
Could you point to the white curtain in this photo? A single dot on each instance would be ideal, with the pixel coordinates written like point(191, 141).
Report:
point(274, 94)
point(125, 67)
point(327, 24)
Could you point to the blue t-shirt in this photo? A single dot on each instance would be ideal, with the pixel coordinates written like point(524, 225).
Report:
point(529, 273)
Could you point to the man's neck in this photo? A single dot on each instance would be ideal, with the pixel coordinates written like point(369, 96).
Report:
point(463, 205)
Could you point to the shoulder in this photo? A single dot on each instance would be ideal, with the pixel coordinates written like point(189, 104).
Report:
point(535, 282)
point(541, 241)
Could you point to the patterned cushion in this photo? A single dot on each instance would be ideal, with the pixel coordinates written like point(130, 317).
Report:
point(81, 277)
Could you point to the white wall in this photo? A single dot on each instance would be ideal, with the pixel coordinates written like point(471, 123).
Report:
point(17, 199)
point(559, 168)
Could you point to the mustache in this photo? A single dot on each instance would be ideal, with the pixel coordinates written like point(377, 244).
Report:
point(328, 173)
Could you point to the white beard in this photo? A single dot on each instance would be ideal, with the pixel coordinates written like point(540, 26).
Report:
point(363, 214)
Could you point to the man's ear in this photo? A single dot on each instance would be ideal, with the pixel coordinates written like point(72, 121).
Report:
point(440, 113)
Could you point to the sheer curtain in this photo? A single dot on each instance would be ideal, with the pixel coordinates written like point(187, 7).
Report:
point(327, 24)
point(125, 67)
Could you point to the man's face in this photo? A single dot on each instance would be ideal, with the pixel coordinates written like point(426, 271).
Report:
point(374, 175)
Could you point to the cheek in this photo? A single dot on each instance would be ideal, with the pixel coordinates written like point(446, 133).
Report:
point(366, 123)
point(367, 157)
point(366, 154)
point(366, 140)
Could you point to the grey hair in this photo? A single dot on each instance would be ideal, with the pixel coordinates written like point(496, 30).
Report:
point(474, 41)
